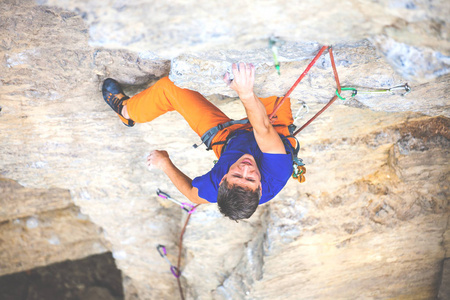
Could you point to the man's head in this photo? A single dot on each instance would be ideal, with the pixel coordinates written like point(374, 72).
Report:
point(240, 189)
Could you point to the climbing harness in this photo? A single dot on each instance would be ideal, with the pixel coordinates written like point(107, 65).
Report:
point(273, 46)
point(402, 87)
point(189, 208)
point(298, 166)
point(162, 251)
point(209, 135)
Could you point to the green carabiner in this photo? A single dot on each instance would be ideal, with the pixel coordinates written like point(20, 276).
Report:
point(346, 89)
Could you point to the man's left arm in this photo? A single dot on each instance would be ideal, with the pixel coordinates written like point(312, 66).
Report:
point(161, 160)
point(266, 136)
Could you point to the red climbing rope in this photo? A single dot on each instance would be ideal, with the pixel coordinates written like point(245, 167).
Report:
point(336, 77)
point(298, 81)
point(180, 248)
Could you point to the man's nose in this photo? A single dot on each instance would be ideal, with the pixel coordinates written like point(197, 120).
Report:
point(247, 169)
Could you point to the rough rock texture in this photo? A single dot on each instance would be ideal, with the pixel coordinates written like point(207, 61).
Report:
point(370, 222)
point(358, 66)
point(444, 291)
point(185, 25)
point(42, 226)
point(413, 35)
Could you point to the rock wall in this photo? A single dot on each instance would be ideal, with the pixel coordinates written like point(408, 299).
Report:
point(39, 227)
point(204, 72)
point(371, 221)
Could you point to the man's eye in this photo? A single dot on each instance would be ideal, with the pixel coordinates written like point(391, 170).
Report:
point(251, 180)
point(237, 176)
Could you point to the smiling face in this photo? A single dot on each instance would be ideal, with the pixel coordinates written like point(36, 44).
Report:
point(245, 173)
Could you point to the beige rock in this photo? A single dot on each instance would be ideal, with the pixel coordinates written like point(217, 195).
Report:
point(192, 26)
point(415, 34)
point(358, 65)
point(444, 289)
point(40, 227)
point(371, 221)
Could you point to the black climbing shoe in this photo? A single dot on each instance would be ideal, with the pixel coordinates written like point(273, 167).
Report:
point(115, 98)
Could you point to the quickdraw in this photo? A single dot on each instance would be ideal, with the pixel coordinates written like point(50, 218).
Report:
point(162, 251)
point(189, 208)
point(273, 46)
point(405, 87)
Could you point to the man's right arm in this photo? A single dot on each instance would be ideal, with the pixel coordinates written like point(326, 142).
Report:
point(161, 160)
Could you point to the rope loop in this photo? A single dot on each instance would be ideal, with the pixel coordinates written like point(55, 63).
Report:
point(346, 89)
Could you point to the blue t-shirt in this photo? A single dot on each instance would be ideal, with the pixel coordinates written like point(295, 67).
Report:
point(275, 169)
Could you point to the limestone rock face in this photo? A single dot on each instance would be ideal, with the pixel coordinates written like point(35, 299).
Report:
point(39, 227)
point(371, 221)
point(413, 35)
point(358, 66)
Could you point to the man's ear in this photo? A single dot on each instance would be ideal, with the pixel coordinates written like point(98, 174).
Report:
point(223, 178)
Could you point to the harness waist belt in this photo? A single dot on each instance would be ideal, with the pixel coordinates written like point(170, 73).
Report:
point(209, 135)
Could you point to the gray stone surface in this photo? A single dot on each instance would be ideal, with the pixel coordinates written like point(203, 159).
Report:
point(190, 26)
point(358, 66)
point(371, 219)
point(39, 227)
point(444, 287)
point(413, 35)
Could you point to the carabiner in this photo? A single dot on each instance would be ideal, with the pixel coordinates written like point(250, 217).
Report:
point(189, 208)
point(405, 87)
point(304, 106)
point(391, 90)
point(299, 172)
point(164, 253)
point(162, 194)
point(175, 271)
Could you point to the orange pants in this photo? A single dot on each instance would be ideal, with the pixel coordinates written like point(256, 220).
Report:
point(200, 114)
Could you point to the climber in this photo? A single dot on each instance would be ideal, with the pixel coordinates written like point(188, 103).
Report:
point(255, 155)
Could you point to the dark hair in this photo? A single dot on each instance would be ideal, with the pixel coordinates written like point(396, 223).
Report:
point(236, 202)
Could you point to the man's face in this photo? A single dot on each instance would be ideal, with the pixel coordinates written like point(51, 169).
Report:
point(245, 173)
